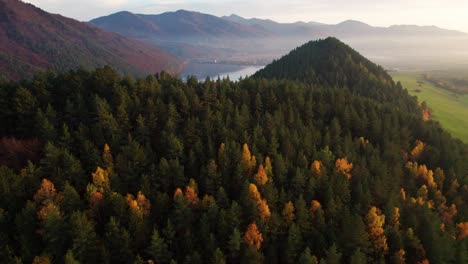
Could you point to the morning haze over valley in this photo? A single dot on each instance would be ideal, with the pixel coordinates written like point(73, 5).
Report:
point(233, 131)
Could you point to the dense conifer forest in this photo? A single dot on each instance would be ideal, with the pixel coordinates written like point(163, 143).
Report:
point(318, 158)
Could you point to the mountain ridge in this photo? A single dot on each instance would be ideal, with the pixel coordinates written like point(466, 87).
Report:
point(32, 40)
point(178, 23)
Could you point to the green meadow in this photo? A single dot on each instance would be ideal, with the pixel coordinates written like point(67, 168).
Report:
point(450, 109)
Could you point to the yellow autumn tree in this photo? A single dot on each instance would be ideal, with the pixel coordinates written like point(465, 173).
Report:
point(262, 205)
point(101, 179)
point(288, 212)
point(253, 237)
point(178, 192)
point(316, 168)
point(426, 176)
point(403, 194)
point(396, 217)
point(248, 161)
point(48, 210)
point(139, 206)
point(107, 158)
point(261, 177)
point(253, 192)
point(46, 192)
point(375, 221)
point(344, 167)
point(417, 150)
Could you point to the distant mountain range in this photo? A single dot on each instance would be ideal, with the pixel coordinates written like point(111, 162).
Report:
point(345, 28)
point(233, 39)
point(179, 24)
point(33, 40)
point(187, 24)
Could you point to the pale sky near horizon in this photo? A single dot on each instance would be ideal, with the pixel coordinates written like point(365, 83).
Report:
point(450, 14)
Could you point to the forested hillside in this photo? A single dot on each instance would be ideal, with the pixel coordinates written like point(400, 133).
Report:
point(32, 40)
point(334, 165)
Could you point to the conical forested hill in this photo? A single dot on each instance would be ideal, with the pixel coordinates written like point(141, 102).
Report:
point(327, 62)
point(332, 63)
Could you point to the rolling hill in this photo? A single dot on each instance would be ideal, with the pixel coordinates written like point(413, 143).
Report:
point(33, 40)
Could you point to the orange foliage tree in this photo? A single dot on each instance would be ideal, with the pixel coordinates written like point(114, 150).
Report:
point(462, 230)
point(417, 150)
point(46, 193)
point(253, 237)
point(262, 205)
point(375, 221)
point(261, 177)
point(248, 161)
point(191, 196)
point(344, 167)
point(140, 206)
point(101, 179)
point(316, 168)
point(288, 212)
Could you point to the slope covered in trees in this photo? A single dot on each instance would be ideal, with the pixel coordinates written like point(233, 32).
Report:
point(128, 170)
point(32, 40)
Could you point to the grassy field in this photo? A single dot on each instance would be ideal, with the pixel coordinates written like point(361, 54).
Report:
point(449, 109)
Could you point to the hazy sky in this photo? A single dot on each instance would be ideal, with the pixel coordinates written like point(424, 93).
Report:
point(451, 14)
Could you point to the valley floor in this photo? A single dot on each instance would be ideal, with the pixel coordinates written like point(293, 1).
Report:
point(450, 109)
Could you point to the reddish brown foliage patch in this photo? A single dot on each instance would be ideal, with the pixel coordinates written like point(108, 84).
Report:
point(15, 153)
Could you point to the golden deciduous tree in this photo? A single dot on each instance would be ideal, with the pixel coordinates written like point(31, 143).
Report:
point(426, 114)
point(263, 209)
point(261, 177)
point(375, 221)
point(191, 196)
point(314, 206)
point(462, 230)
point(417, 150)
point(344, 167)
point(178, 192)
point(448, 213)
point(140, 206)
point(403, 194)
point(253, 237)
point(46, 192)
point(101, 179)
point(426, 176)
point(316, 168)
point(396, 217)
point(423, 192)
point(248, 161)
point(262, 205)
point(107, 158)
point(48, 210)
point(288, 212)
point(253, 192)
